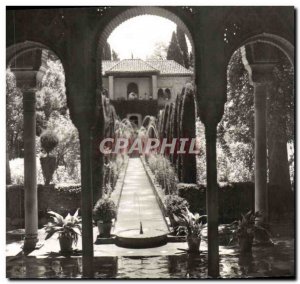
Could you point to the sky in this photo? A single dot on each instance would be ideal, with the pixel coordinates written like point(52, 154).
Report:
point(138, 36)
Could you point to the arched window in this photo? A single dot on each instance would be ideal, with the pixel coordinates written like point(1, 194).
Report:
point(135, 119)
point(160, 94)
point(133, 90)
point(167, 94)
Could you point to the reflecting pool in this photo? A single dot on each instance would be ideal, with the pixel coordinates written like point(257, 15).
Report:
point(277, 261)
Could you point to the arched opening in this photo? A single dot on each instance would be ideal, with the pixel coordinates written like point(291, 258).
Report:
point(135, 119)
point(37, 113)
point(160, 93)
point(160, 98)
point(122, 18)
point(256, 132)
point(167, 94)
point(132, 91)
point(138, 11)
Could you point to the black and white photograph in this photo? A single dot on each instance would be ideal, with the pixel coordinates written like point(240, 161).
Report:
point(149, 142)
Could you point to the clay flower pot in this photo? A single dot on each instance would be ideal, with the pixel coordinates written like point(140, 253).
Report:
point(104, 229)
point(48, 165)
point(65, 244)
point(193, 243)
point(245, 244)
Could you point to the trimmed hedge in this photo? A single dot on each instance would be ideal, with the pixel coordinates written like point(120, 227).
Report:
point(237, 198)
point(61, 199)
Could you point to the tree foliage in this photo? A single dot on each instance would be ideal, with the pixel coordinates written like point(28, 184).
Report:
point(183, 47)
point(115, 56)
point(159, 52)
point(174, 52)
point(14, 117)
point(106, 52)
point(52, 115)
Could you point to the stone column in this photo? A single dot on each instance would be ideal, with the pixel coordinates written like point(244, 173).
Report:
point(259, 60)
point(30, 183)
point(212, 199)
point(111, 87)
point(154, 87)
point(85, 136)
point(261, 191)
point(261, 79)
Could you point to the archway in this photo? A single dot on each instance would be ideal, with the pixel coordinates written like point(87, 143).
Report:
point(135, 12)
point(160, 93)
point(262, 72)
point(39, 89)
point(132, 88)
point(167, 94)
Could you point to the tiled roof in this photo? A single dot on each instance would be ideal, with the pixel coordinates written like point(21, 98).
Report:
point(132, 66)
point(163, 67)
point(169, 67)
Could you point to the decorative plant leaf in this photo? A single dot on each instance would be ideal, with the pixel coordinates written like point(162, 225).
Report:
point(76, 213)
point(58, 216)
point(52, 232)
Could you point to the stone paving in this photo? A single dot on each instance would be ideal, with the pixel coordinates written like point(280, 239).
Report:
point(138, 202)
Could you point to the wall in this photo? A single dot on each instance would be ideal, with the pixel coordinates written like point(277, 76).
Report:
point(175, 84)
point(105, 83)
point(120, 86)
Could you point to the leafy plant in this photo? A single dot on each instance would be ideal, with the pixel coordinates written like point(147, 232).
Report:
point(247, 227)
point(192, 224)
point(69, 227)
point(175, 204)
point(49, 141)
point(105, 210)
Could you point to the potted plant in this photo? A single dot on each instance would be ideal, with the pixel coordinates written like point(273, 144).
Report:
point(104, 212)
point(49, 141)
point(246, 229)
point(175, 205)
point(192, 227)
point(68, 229)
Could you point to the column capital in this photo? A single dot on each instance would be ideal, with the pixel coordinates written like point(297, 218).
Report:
point(261, 74)
point(211, 112)
point(26, 79)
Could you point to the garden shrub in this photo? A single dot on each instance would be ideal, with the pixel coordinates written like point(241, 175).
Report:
point(49, 141)
point(61, 199)
point(111, 171)
point(175, 204)
point(195, 195)
point(236, 198)
point(17, 171)
point(164, 173)
point(61, 176)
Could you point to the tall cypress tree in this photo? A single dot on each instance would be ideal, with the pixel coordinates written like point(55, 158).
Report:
point(115, 56)
point(183, 46)
point(106, 52)
point(174, 52)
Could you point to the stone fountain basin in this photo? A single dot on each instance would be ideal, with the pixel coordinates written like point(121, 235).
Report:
point(133, 239)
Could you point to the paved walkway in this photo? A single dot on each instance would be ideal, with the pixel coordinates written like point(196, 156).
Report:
point(138, 202)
